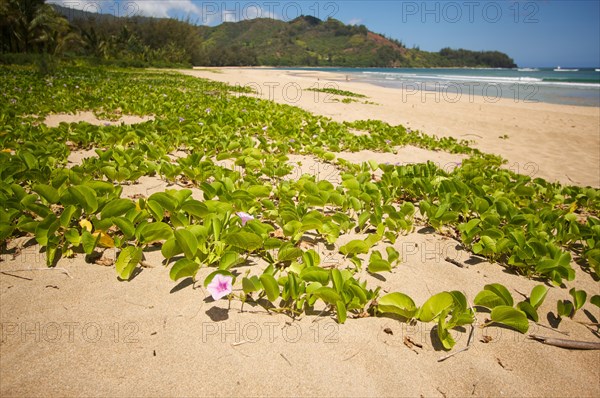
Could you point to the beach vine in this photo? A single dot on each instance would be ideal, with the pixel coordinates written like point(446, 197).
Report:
point(234, 151)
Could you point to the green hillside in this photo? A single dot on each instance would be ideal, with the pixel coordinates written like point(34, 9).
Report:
point(308, 41)
point(35, 27)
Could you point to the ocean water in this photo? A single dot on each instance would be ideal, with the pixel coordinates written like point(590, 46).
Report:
point(571, 86)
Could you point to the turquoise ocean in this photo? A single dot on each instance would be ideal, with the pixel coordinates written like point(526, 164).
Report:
point(570, 86)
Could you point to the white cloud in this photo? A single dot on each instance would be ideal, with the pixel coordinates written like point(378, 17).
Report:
point(355, 21)
point(149, 8)
point(238, 12)
point(208, 13)
point(163, 9)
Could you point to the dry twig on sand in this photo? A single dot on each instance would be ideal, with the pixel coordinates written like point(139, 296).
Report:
point(461, 350)
point(570, 344)
point(64, 271)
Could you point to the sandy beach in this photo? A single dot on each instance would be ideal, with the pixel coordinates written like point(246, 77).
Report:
point(554, 142)
point(76, 330)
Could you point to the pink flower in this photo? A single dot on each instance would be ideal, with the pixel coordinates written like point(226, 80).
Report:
point(220, 286)
point(245, 217)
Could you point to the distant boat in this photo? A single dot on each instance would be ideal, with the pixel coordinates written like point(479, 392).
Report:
point(559, 69)
point(597, 70)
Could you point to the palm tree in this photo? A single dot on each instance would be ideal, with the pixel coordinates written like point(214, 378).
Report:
point(33, 26)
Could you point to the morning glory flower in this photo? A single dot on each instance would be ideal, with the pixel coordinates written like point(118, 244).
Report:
point(245, 217)
point(265, 128)
point(292, 141)
point(207, 110)
point(181, 119)
point(220, 286)
point(107, 124)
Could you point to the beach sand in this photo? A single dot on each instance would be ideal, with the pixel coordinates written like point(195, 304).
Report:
point(555, 142)
point(77, 331)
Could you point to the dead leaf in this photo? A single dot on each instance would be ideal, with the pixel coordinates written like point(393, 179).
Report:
point(278, 233)
point(486, 339)
point(105, 261)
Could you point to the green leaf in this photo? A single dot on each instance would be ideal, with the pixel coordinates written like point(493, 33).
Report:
point(89, 241)
point(229, 259)
point(564, 308)
point(291, 228)
point(154, 232)
point(116, 208)
point(187, 242)
point(125, 226)
point(579, 298)
point(397, 303)
point(501, 291)
point(271, 287)
point(157, 211)
point(165, 200)
point(127, 261)
point(288, 253)
point(251, 284)
point(5, 231)
point(529, 310)
point(392, 254)
point(311, 258)
point(351, 183)
point(184, 268)
point(510, 317)
point(170, 248)
point(434, 306)
point(354, 247)
point(337, 279)
point(488, 299)
point(259, 191)
point(67, 216)
point(379, 266)
point(72, 236)
point(85, 197)
point(595, 300)
point(341, 311)
point(538, 295)
point(523, 190)
point(315, 274)
point(444, 335)
point(244, 240)
point(195, 208)
point(47, 192)
point(327, 294)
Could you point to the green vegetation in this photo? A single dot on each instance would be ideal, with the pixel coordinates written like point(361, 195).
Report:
point(252, 211)
point(33, 27)
point(308, 41)
point(337, 92)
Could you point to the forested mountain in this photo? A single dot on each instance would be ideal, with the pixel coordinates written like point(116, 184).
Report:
point(31, 26)
point(308, 41)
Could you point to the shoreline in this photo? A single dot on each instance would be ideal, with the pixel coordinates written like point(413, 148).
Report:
point(556, 142)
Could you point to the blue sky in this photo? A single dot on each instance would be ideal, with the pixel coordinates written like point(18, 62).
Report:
point(534, 33)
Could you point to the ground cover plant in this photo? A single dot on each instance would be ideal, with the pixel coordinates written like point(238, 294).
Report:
point(233, 150)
